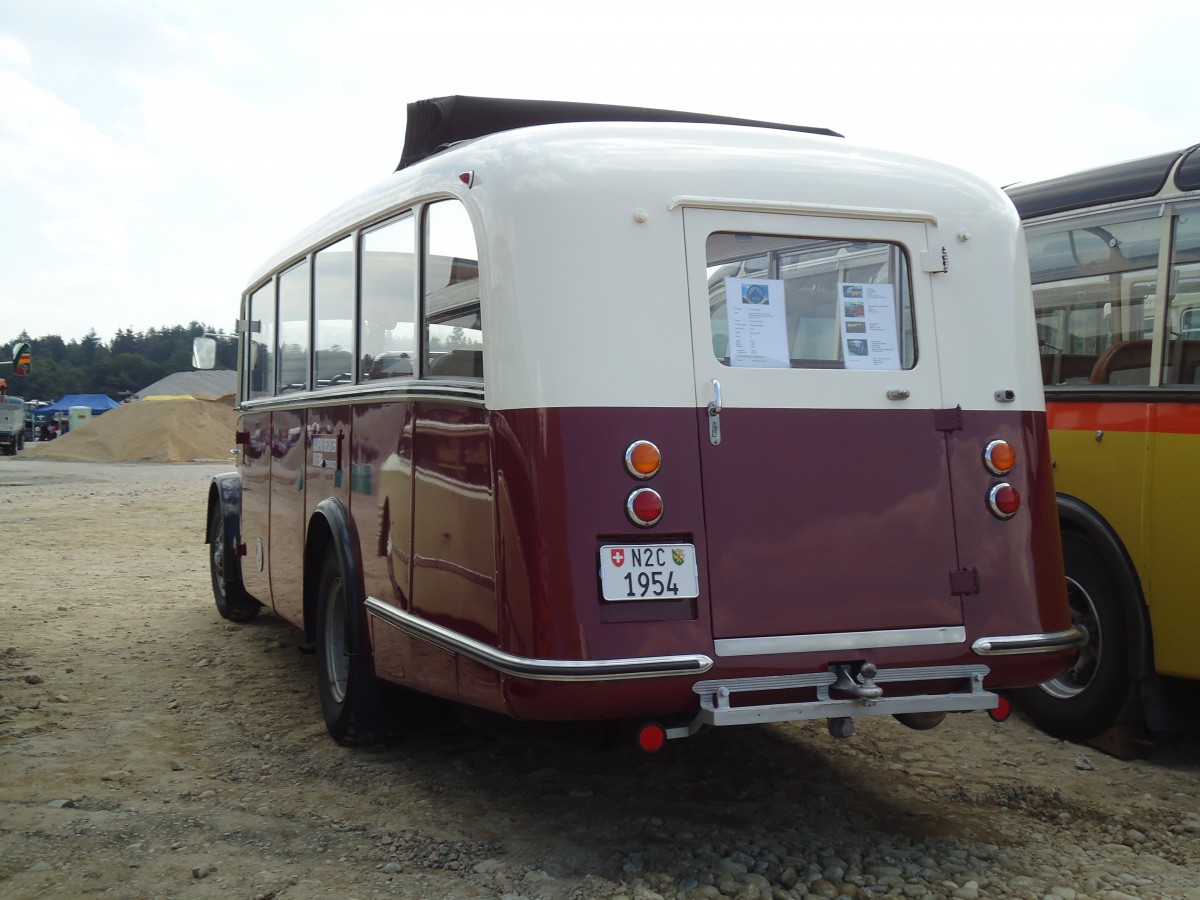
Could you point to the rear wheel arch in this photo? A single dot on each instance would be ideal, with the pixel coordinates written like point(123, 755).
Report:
point(335, 623)
point(330, 529)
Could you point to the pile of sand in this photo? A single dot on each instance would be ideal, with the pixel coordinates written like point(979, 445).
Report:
point(159, 429)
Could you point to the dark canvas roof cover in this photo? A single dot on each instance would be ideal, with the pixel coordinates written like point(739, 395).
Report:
point(436, 123)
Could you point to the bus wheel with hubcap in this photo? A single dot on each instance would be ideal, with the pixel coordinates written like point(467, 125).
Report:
point(233, 603)
point(350, 693)
point(1087, 698)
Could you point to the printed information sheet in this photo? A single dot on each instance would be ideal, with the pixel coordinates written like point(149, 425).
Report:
point(757, 323)
point(868, 320)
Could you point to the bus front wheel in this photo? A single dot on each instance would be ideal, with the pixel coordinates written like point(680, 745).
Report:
point(233, 603)
point(1088, 698)
point(350, 695)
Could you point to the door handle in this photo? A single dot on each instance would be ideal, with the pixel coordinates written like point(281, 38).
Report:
point(714, 414)
point(714, 406)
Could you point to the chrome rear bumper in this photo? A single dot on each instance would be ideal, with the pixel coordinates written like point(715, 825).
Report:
point(862, 695)
point(1005, 645)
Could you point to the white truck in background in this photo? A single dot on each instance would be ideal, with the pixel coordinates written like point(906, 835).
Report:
point(12, 425)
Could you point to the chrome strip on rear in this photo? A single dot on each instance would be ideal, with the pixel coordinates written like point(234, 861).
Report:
point(844, 640)
point(539, 669)
point(1003, 645)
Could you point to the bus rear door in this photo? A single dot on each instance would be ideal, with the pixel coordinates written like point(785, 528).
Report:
point(826, 486)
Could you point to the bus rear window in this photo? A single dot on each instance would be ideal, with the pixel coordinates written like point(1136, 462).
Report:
point(795, 302)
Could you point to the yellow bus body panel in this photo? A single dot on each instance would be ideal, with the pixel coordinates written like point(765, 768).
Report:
point(1174, 543)
point(1146, 486)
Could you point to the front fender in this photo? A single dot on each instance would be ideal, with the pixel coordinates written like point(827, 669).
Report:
point(225, 493)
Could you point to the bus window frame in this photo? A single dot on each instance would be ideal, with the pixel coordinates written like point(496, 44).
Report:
point(411, 213)
point(443, 315)
point(250, 346)
point(1164, 211)
point(313, 255)
point(306, 263)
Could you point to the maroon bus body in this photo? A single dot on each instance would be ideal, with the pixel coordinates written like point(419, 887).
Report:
point(554, 486)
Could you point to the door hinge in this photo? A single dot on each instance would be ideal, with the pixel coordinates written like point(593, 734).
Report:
point(935, 262)
point(964, 581)
point(948, 419)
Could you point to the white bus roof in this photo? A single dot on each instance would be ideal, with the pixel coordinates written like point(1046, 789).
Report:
point(573, 169)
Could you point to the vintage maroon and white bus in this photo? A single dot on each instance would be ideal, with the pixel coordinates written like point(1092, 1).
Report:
point(590, 413)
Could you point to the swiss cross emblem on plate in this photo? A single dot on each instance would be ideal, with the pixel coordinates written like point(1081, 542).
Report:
point(618, 557)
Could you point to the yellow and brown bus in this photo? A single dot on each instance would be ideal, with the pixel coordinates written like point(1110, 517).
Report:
point(1114, 255)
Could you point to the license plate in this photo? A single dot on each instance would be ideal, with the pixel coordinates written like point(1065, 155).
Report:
point(648, 572)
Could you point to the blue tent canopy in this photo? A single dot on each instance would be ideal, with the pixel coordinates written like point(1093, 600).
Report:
point(97, 403)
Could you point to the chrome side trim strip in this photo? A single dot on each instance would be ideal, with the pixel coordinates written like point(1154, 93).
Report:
point(569, 670)
point(1053, 642)
point(844, 640)
point(464, 392)
point(804, 209)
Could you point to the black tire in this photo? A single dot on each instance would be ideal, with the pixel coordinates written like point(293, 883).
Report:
point(233, 603)
point(1088, 698)
point(351, 696)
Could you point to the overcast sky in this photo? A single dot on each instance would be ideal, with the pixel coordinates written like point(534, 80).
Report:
point(154, 152)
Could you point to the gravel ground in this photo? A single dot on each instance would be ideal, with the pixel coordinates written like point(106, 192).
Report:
point(148, 748)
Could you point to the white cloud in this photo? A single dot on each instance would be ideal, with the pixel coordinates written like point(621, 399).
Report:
point(13, 52)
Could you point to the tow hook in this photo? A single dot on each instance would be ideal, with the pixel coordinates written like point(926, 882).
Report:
point(864, 687)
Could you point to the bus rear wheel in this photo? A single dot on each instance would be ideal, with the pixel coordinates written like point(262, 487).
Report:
point(350, 693)
point(1088, 698)
point(233, 603)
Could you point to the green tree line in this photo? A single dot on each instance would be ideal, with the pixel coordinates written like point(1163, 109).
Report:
point(130, 362)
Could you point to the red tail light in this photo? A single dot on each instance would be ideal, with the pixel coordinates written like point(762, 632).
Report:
point(644, 507)
point(1003, 500)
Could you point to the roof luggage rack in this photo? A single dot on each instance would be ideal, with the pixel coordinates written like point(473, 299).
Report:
point(435, 124)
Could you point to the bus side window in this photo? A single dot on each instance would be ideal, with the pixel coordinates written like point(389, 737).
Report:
point(387, 331)
point(293, 328)
point(453, 324)
point(333, 314)
point(1181, 361)
point(260, 344)
point(1093, 290)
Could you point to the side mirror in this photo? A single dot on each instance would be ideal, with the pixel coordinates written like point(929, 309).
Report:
point(204, 353)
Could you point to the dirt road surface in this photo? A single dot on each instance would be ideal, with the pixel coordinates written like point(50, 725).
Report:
point(148, 748)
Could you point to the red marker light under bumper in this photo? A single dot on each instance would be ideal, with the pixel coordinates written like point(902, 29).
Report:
point(1002, 711)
